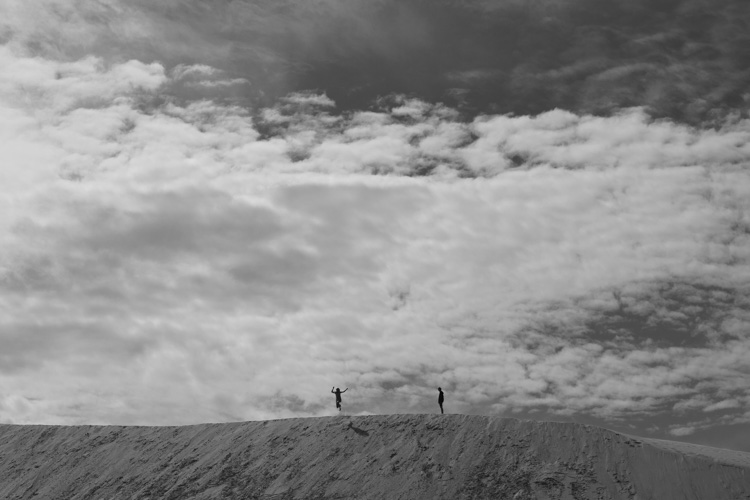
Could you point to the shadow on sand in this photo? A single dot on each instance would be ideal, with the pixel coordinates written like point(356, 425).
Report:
point(359, 431)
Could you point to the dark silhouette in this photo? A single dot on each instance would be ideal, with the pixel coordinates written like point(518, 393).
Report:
point(359, 431)
point(441, 398)
point(338, 393)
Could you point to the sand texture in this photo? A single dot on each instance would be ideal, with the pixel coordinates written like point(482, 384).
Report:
point(373, 457)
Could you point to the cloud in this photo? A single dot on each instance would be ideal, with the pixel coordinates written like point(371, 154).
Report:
point(682, 431)
point(723, 405)
point(684, 59)
point(35, 83)
point(233, 263)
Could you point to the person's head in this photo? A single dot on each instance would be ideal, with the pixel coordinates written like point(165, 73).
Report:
point(338, 390)
point(439, 389)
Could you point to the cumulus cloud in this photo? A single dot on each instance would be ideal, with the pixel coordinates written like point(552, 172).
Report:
point(232, 262)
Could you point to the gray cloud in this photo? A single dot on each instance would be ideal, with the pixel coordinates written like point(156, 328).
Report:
point(684, 59)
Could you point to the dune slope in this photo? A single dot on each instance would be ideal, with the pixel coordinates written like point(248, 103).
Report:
point(377, 457)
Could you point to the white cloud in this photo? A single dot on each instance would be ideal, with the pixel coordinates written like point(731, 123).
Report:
point(727, 404)
point(682, 431)
point(229, 268)
point(55, 87)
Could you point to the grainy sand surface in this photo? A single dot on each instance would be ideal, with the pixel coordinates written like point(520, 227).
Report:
point(718, 455)
point(372, 457)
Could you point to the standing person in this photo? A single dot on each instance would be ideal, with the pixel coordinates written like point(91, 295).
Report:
point(338, 393)
point(441, 398)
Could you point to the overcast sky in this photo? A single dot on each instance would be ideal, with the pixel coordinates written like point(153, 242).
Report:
point(216, 210)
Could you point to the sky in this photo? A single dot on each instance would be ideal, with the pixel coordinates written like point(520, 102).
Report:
point(216, 210)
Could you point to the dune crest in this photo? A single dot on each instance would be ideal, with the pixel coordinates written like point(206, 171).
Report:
point(388, 457)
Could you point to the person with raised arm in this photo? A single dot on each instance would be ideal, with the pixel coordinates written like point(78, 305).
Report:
point(338, 393)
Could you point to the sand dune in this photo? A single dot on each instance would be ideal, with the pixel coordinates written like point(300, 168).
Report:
point(377, 457)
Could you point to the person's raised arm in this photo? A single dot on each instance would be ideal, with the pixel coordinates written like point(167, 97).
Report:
point(332, 391)
point(345, 390)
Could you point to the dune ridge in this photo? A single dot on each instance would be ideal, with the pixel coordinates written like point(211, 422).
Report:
point(371, 457)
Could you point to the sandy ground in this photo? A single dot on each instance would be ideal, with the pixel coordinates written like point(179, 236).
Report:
point(718, 455)
point(373, 457)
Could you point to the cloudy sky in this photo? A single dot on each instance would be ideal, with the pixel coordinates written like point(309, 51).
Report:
point(216, 210)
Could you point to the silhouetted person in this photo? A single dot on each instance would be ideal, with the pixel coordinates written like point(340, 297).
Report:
point(338, 393)
point(441, 398)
